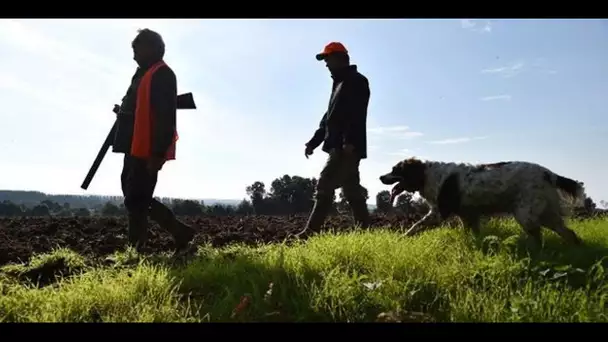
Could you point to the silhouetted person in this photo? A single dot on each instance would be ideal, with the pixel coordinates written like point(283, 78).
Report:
point(146, 134)
point(343, 132)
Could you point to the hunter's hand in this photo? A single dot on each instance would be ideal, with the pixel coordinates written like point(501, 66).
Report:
point(155, 164)
point(307, 151)
point(116, 109)
point(348, 148)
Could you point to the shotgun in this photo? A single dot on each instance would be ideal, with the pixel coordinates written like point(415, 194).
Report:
point(184, 101)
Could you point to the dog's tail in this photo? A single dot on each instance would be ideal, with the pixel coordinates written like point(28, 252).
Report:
point(573, 189)
point(570, 186)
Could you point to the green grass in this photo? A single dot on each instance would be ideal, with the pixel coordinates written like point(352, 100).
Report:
point(442, 275)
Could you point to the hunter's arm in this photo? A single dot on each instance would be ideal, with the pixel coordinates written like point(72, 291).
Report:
point(317, 138)
point(163, 94)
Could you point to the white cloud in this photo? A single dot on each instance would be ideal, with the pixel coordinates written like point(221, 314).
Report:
point(399, 132)
point(401, 153)
point(496, 98)
point(540, 64)
point(381, 130)
point(404, 153)
point(467, 23)
point(506, 71)
point(456, 140)
point(483, 26)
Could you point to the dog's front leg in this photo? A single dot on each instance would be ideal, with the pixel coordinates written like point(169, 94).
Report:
point(422, 224)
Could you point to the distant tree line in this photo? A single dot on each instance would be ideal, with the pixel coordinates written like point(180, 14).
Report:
point(287, 195)
point(30, 199)
point(44, 208)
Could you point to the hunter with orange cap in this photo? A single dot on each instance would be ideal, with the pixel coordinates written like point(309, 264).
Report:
point(343, 132)
point(146, 134)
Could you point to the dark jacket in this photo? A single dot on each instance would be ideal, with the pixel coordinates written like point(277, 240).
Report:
point(345, 121)
point(164, 108)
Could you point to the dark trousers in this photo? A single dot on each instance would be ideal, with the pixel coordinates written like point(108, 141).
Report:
point(340, 171)
point(138, 185)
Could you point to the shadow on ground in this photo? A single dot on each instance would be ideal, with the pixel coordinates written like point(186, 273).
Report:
point(556, 260)
point(233, 285)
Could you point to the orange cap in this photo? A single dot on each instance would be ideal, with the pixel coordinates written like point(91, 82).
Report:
point(331, 48)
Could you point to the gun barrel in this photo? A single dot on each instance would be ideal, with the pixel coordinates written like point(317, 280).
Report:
point(100, 155)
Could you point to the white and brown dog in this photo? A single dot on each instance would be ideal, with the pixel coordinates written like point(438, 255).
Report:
point(528, 191)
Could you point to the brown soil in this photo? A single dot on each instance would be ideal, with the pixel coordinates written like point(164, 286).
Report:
point(20, 238)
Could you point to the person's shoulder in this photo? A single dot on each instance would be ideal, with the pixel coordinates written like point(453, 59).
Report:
point(165, 74)
point(360, 79)
point(356, 73)
point(165, 69)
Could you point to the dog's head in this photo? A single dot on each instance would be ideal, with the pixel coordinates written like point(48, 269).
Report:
point(407, 175)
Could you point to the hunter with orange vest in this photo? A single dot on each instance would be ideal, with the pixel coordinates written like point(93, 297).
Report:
point(146, 133)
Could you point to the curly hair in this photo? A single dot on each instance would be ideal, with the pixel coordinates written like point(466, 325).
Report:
point(152, 39)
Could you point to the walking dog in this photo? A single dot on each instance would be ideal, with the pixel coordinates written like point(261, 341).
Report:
point(528, 191)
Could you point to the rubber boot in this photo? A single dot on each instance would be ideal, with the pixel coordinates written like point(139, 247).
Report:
point(360, 213)
point(318, 215)
point(138, 231)
point(182, 233)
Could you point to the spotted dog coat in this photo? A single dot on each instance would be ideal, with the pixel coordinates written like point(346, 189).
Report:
point(528, 191)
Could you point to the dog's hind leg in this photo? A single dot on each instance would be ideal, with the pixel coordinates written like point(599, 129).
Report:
point(471, 223)
point(554, 221)
point(530, 224)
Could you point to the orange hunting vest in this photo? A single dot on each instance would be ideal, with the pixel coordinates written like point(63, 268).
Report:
point(141, 145)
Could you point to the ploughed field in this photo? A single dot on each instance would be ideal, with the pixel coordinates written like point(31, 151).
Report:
point(21, 238)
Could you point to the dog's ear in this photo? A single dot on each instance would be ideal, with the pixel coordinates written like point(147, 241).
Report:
point(448, 199)
point(413, 172)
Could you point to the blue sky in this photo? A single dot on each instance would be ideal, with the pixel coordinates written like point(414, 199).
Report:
point(450, 90)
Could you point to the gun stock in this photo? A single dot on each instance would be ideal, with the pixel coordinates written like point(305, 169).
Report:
point(184, 101)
